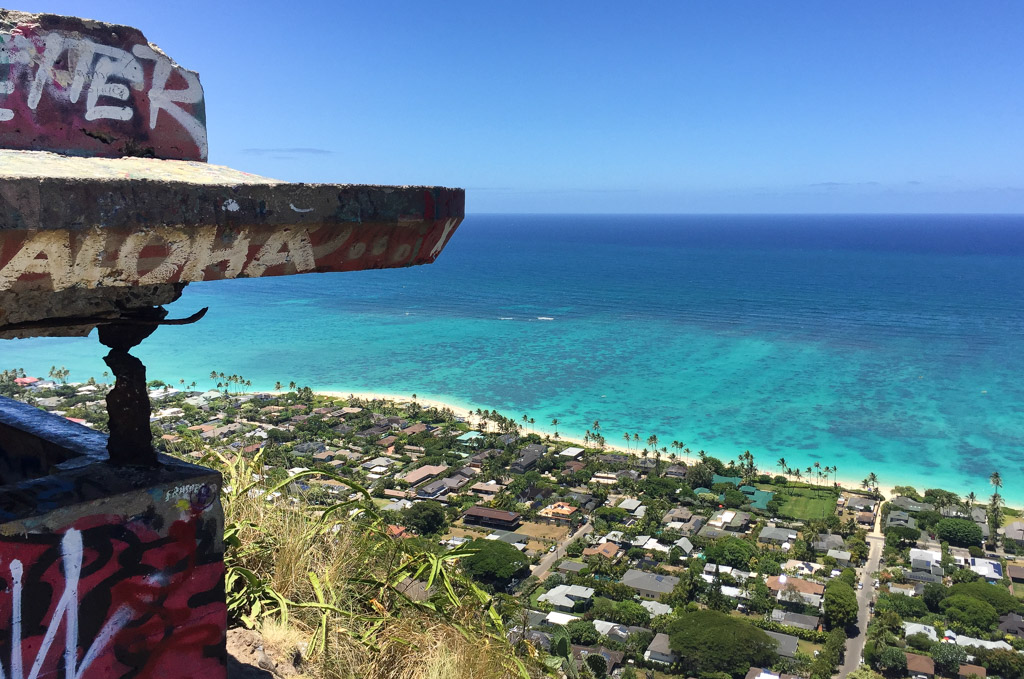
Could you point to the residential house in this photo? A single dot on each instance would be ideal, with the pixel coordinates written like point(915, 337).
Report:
point(605, 478)
point(413, 429)
point(492, 518)
point(826, 541)
point(676, 471)
point(617, 632)
point(798, 620)
point(486, 491)
point(612, 659)
point(841, 556)
point(779, 537)
point(378, 465)
point(655, 608)
point(310, 448)
point(659, 651)
point(786, 644)
point(559, 513)
point(724, 522)
point(900, 519)
point(761, 673)
point(648, 585)
point(528, 457)
point(608, 550)
point(989, 569)
point(1015, 573)
point(911, 505)
point(1012, 623)
point(1015, 531)
point(571, 453)
point(920, 666)
point(570, 567)
point(790, 589)
point(970, 671)
point(424, 473)
point(565, 597)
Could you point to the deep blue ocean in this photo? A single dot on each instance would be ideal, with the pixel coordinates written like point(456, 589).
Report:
point(885, 344)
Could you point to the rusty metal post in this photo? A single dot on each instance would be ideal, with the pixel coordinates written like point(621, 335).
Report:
point(128, 408)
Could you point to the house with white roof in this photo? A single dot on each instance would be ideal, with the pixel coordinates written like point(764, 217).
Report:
point(565, 597)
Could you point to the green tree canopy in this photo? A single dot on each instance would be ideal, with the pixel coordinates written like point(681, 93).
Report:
point(891, 661)
point(999, 597)
point(840, 604)
point(730, 551)
point(582, 632)
point(969, 611)
point(494, 560)
point(426, 517)
point(709, 641)
point(948, 658)
point(959, 532)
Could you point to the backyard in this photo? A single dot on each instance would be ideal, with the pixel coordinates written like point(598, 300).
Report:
point(805, 503)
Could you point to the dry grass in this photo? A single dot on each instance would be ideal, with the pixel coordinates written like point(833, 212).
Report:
point(370, 631)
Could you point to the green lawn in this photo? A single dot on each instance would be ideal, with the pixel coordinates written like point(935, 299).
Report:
point(807, 647)
point(808, 503)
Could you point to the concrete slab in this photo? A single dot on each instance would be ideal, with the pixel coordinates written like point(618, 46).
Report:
point(128, 561)
point(70, 225)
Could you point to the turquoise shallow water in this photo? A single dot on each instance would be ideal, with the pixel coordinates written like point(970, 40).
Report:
point(890, 345)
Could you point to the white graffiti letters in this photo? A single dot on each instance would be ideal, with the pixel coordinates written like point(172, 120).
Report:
point(66, 611)
point(64, 66)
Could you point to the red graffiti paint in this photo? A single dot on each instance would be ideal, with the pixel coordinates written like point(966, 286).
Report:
point(142, 600)
point(96, 89)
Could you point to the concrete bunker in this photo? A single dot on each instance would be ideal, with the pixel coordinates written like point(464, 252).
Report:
point(111, 556)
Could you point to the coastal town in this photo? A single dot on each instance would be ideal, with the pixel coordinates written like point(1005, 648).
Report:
point(647, 560)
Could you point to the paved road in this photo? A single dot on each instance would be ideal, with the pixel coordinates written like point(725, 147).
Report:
point(550, 558)
point(855, 646)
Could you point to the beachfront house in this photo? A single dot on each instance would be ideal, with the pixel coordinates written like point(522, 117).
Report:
point(527, 459)
point(911, 505)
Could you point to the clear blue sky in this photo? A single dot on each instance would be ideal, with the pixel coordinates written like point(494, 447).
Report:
point(911, 106)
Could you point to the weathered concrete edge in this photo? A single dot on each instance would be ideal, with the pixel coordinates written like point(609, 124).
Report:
point(85, 477)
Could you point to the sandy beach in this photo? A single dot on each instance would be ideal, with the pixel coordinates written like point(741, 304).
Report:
point(469, 414)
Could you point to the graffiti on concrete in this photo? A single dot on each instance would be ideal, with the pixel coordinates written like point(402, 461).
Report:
point(64, 91)
point(61, 259)
point(110, 599)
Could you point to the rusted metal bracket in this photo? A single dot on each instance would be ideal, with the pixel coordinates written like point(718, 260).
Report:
point(128, 407)
point(98, 321)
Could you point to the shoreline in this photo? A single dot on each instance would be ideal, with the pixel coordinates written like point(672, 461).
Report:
point(463, 411)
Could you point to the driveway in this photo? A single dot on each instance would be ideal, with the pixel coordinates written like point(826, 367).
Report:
point(855, 646)
point(542, 568)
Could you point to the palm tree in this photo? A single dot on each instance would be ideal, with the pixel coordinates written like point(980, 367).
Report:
point(278, 386)
point(652, 441)
point(554, 423)
point(532, 422)
point(971, 499)
point(627, 438)
point(636, 438)
point(996, 480)
point(596, 427)
point(782, 464)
